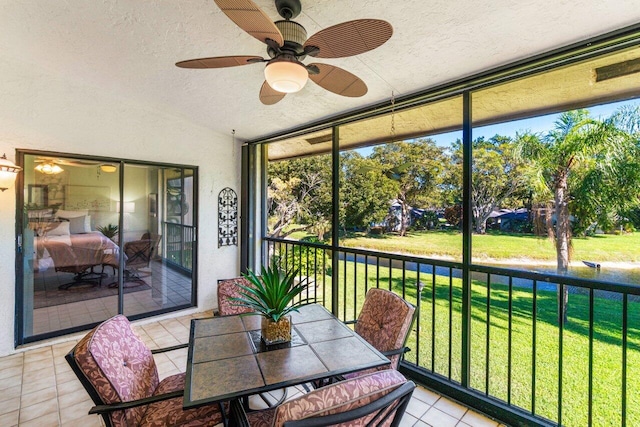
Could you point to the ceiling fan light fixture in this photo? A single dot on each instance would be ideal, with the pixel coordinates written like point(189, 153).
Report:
point(286, 76)
point(108, 168)
point(49, 168)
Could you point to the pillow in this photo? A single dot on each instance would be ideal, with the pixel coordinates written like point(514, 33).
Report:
point(62, 229)
point(71, 214)
point(77, 224)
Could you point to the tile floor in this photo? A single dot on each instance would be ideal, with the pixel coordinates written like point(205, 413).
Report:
point(38, 388)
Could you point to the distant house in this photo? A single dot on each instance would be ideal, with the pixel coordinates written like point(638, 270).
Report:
point(509, 219)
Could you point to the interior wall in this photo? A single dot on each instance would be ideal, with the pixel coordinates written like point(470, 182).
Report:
point(44, 111)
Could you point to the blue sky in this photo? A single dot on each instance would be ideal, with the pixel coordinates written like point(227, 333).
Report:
point(534, 124)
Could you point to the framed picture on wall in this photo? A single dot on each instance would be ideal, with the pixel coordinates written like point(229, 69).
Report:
point(38, 195)
point(153, 205)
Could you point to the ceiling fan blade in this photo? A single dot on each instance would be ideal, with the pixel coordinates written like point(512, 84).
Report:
point(269, 96)
point(338, 81)
point(219, 62)
point(349, 38)
point(248, 16)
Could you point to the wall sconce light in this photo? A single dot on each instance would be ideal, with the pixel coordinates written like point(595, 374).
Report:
point(8, 172)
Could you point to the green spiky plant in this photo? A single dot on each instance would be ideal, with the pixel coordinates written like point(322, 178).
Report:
point(272, 293)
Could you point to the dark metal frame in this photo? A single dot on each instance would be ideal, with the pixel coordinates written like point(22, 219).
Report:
point(19, 338)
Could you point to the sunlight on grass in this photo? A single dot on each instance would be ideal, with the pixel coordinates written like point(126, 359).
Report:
point(441, 352)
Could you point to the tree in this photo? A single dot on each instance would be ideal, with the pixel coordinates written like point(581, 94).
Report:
point(364, 198)
point(497, 176)
point(577, 146)
point(299, 190)
point(415, 168)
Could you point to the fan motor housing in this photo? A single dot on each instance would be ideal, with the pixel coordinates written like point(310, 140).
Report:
point(294, 36)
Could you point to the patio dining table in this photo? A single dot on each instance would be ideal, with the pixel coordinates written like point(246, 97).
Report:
point(228, 361)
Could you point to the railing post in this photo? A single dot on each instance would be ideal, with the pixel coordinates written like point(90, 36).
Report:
point(335, 217)
point(467, 182)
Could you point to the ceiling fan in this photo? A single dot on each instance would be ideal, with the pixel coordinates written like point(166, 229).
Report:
point(287, 45)
point(51, 165)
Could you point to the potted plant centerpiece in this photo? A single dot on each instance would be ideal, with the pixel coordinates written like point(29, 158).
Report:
point(271, 295)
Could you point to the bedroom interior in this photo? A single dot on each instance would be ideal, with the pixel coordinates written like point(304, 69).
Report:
point(93, 224)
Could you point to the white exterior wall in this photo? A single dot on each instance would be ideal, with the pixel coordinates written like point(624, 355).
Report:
point(44, 111)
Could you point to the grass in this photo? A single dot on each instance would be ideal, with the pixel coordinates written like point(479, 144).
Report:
point(432, 351)
point(496, 246)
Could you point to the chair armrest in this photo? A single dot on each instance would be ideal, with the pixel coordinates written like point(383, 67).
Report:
point(237, 414)
point(173, 347)
point(401, 350)
point(110, 407)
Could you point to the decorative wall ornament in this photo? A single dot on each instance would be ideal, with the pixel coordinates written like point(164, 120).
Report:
point(227, 217)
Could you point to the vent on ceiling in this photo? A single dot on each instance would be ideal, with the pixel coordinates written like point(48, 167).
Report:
point(319, 139)
point(618, 70)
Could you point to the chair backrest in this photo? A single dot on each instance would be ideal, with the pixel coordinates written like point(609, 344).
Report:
point(114, 365)
point(385, 321)
point(375, 399)
point(140, 252)
point(228, 289)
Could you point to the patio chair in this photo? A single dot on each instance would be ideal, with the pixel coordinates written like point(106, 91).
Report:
point(228, 289)
point(375, 399)
point(385, 321)
point(119, 373)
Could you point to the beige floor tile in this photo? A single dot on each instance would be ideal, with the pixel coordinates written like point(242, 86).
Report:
point(65, 377)
point(417, 408)
point(38, 410)
point(408, 420)
point(10, 393)
point(450, 407)
point(425, 395)
point(478, 420)
point(76, 411)
point(36, 385)
point(436, 417)
point(28, 399)
point(43, 353)
point(69, 387)
point(10, 405)
point(11, 361)
point(11, 382)
point(32, 373)
point(72, 398)
point(48, 420)
point(10, 372)
point(9, 419)
point(86, 421)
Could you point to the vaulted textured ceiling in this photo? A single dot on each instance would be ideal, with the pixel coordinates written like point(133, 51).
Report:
point(128, 48)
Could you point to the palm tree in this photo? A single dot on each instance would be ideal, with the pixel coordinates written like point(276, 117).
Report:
point(574, 142)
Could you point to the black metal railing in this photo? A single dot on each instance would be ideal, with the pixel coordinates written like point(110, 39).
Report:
point(528, 364)
point(179, 245)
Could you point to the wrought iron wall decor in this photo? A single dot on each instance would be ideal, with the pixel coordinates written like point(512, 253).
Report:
point(227, 217)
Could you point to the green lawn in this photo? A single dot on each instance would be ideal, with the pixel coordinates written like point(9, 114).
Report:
point(496, 246)
point(607, 359)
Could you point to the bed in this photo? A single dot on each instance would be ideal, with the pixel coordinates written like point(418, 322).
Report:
point(68, 245)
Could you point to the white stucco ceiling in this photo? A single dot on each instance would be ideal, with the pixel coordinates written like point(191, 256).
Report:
point(128, 48)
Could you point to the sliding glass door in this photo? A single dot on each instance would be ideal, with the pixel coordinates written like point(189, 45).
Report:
point(99, 237)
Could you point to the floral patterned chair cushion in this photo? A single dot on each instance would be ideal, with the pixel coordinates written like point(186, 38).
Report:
point(384, 321)
point(118, 367)
point(228, 289)
point(333, 399)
